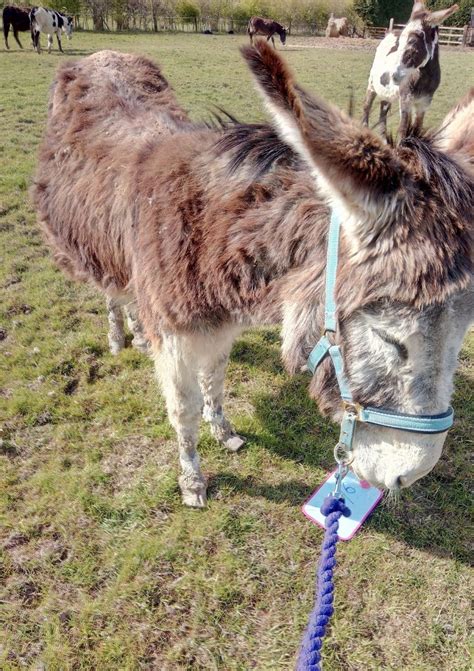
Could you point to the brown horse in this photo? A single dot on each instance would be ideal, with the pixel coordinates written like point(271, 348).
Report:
point(18, 18)
point(213, 230)
point(266, 27)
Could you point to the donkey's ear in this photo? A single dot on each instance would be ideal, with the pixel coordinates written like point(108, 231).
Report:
point(358, 173)
point(418, 10)
point(436, 18)
point(456, 133)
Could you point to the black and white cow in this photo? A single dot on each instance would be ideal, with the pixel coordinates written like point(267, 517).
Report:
point(50, 22)
point(406, 66)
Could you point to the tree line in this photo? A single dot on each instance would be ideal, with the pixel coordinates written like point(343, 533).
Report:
point(218, 15)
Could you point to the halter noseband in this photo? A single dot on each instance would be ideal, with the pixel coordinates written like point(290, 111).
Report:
point(353, 412)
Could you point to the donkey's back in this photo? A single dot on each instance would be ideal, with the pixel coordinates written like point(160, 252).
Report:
point(102, 110)
point(110, 93)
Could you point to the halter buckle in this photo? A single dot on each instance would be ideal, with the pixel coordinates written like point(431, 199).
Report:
point(352, 408)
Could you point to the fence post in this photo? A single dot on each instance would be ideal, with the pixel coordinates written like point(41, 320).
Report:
point(390, 25)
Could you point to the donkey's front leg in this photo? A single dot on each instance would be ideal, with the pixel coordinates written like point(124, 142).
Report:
point(405, 116)
point(116, 333)
point(385, 106)
point(369, 100)
point(175, 368)
point(211, 380)
point(139, 341)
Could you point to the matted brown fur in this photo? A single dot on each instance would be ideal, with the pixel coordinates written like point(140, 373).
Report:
point(135, 197)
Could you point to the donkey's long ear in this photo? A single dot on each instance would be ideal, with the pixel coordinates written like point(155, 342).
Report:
point(354, 168)
point(436, 18)
point(456, 133)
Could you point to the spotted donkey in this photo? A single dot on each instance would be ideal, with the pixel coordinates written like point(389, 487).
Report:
point(213, 230)
point(406, 68)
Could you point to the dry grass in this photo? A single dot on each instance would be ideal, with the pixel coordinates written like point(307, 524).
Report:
point(100, 566)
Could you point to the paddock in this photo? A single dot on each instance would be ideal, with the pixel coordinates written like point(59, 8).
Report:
point(102, 567)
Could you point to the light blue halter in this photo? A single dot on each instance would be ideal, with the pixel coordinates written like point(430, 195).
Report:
point(353, 412)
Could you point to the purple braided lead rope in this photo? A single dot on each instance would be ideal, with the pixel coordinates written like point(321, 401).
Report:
point(310, 653)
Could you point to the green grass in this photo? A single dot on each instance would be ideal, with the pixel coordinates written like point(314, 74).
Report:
point(101, 568)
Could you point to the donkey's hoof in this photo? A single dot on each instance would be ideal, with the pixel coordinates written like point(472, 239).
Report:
point(141, 345)
point(193, 491)
point(234, 443)
point(116, 347)
point(194, 499)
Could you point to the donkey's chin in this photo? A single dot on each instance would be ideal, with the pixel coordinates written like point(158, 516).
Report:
point(392, 458)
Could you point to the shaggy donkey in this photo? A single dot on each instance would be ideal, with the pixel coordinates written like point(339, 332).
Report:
point(406, 67)
point(213, 230)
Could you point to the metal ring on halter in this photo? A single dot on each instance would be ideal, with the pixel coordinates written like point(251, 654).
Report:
point(342, 455)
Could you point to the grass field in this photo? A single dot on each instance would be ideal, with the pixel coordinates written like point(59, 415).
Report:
point(101, 568)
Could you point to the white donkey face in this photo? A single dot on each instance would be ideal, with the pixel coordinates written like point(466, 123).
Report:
point(403, 360)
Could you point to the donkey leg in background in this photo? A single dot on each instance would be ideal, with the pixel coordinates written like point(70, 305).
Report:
point(211, 380)
point(35, 36)
point(175, 367)
point(384, 110)
point(421, 105)
point(15, 35)
point(138, 341)
point(116, 333)
point(405, 116)
point(369, 101)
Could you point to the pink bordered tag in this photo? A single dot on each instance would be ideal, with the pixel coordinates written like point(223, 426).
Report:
point(359, 496)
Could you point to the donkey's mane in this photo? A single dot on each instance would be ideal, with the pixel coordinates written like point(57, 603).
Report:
point(257, 146)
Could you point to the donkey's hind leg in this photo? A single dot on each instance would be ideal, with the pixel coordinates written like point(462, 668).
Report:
point(139, 341)
point(176, 369)
point(211, 380)
point(116, 333)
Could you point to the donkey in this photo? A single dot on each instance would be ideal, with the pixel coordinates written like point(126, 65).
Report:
point(51, 22)
point(406, 66)
point(18, 19)
point(260, 26)
point(215, 229)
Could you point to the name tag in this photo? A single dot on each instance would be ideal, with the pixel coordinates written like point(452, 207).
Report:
point(359, 496)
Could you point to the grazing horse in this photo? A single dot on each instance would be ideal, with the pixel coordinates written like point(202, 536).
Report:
point(406, 66)
point(215, 229)
point(266, 27)
point(51, 22)
point(18, 18)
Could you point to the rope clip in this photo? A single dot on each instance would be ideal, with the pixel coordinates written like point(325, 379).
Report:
point(342, 471)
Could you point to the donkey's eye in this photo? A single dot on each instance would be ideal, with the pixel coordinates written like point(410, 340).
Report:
point(402, 351)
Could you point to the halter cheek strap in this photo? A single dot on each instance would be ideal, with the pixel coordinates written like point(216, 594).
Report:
point(353, 412)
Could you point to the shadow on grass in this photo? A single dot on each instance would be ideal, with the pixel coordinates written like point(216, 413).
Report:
point(44, 52)
point(432, 515)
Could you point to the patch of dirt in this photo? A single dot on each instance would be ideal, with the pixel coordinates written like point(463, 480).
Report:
point(71, 386)
point(29, 593)
point(340, 43)
point(21, 309)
